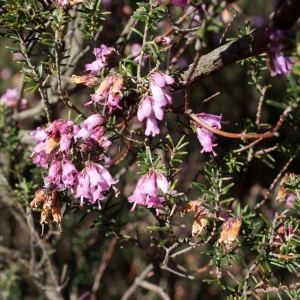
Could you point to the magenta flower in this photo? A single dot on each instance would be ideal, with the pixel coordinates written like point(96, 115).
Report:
point(59, 133)
point(206, 137)
point(147, 190)
point(159, 90)
point(104, 56)
point(282, 64)
point(54, 174)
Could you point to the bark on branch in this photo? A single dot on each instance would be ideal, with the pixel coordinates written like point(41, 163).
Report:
point(284, 16)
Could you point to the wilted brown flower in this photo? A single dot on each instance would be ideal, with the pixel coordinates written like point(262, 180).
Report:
point(231, 229)
point(88, 80)
point(48, 199)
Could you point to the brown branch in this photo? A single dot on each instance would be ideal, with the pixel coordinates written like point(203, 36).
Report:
point(255, 43)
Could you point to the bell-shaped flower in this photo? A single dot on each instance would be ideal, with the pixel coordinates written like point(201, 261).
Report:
point(92, 124)
point(159, 90)
point(282, 64)
point(97, 180)
point(54, 174)
point(69, 174)
point(147, 190)
point(206, 137)
point(104, 57)
point(150, 111)
point(59, 132)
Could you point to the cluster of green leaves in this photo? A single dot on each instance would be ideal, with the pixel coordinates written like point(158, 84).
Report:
point(93, 16)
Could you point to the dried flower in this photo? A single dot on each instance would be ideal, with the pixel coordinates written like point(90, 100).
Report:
point(88, 80)
point(231, 229)
point(48, 199)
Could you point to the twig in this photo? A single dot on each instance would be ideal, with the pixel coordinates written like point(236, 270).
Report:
point(258, 205)
point(137, 281)
point(103, 264)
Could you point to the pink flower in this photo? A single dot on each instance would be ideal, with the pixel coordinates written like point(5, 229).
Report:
point(93, 180)
point(206, 137)
point(159, 90)
point(136, 51)
point(104, 57)
point(149, 110)
point(54, 173)
point(282, 64)
point(10, 98)
point(93, 124)
point(60, 133)
point(69, 174)
point(147, 190)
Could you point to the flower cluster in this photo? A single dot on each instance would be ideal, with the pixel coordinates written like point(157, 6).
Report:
point(61, 147)
point(151, 108)
point(206, 137)
point(147, 190)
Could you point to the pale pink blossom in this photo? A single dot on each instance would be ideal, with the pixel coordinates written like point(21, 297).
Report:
point(91, 125)
point(148, 189)
point(159, 90)
point(10, 98)
point(104, 56)
point(150, 111)
point(93, 180)
point(109, 88)
point(206, 137)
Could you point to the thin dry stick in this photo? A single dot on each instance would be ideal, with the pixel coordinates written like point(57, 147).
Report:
point(179, 21)
point(187, 87)
point(137, 281)
point(258, 205)
point(248, 146)
point(103, 264)
point(155, 288)
point(233, 135)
